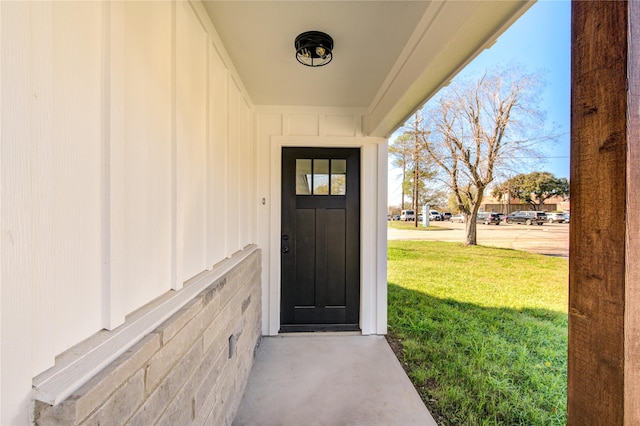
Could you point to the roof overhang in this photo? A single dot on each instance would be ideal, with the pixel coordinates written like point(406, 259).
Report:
point(389, 56)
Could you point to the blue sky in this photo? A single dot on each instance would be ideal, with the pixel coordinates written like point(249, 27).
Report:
point(539, 40)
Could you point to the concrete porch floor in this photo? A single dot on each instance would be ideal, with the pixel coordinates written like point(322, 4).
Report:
point(329, 380)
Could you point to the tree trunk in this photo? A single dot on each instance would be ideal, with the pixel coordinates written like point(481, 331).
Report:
point(470, 228)
point(472, 221)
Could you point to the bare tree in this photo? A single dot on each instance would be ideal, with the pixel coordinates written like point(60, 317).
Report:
point(479, 128)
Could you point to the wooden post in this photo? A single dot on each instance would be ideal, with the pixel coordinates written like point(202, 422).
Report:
point(632, 289)
point(604, 264)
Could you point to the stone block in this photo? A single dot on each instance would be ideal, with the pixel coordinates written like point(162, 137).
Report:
point(228, 292)
point(230, 399)
point(213, 291)
point(210, 354)
point(173, 325)
point(245, 303)
point(160, 398)
point(217, 417)
point(211, 377)
point(216, 327)
point(61, 415)
point(122, 404)
point(179, 412)
point(183, 405)
point(213, 395)
point(208, 414)
point(94, 392)
point(209, 314)
point(238, 278)
point(164, 360)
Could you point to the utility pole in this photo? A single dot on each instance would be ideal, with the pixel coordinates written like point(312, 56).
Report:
point(404, 176)
point(417, 155)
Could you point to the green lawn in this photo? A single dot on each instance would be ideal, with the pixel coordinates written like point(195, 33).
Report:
point(483, 331)
point(433, 226)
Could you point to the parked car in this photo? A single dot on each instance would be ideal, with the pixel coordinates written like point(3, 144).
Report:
point(566, 217)
point(458, 218)
point(434, 215)
point(555, 217)
point(396, 217)
point(406, 215)
point(489, 218)
point(510, 216)
point(527, 217)
point(501, 216)
point(446, 216)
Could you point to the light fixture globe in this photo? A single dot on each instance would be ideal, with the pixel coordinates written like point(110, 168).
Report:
point(314, 48)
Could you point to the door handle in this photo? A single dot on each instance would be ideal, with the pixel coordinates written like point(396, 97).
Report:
point(285, 249)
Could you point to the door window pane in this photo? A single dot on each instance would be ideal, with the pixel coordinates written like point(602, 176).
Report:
point(320, 177)
point(303, 177)
point(338, 177)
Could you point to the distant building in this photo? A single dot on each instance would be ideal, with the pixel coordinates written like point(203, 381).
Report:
point(508, 205)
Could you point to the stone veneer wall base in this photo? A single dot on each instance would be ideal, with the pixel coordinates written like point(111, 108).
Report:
point(192, 370)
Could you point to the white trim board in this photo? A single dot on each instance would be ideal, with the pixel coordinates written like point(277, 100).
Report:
point(373, 237)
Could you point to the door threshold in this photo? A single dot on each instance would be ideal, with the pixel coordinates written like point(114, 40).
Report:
point(319, 333)
point(318, 328)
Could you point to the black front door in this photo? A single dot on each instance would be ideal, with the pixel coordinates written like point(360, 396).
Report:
point(320, 241)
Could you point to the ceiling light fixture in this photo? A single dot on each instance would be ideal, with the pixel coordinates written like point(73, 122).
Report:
point(314, 48)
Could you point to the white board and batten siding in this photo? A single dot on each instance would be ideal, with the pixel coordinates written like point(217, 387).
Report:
point(126, 169)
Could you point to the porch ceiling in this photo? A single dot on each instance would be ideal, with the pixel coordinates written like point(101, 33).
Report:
point(389, 56)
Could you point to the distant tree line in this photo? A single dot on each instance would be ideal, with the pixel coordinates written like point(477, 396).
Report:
point(533, 188)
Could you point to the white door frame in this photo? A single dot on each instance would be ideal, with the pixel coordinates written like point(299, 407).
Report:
point(373, 227)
